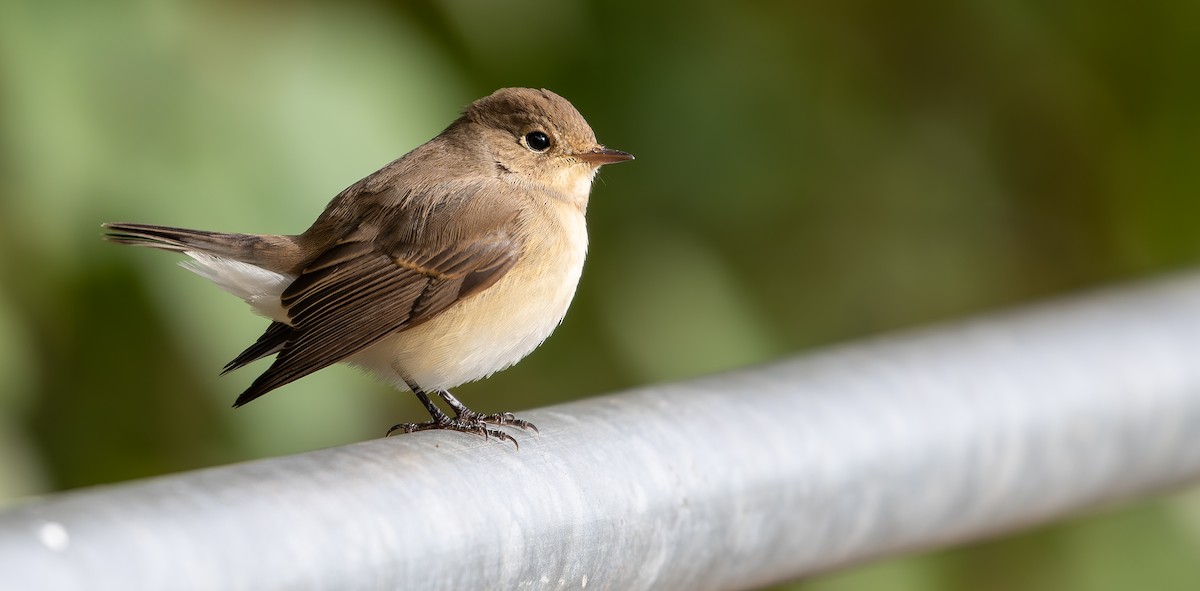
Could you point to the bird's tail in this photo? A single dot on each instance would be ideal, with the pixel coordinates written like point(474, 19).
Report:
point(256, 268)
point(280, 254)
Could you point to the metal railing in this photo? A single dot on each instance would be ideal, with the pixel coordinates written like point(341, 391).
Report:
point(912, 441)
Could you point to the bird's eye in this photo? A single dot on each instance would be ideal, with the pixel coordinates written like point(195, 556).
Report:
point(537, 141)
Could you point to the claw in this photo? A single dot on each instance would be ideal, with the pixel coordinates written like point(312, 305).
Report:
point(501, 435)
point(405, 427)
point(506, 419)
point(469, 422)
point(465, 419)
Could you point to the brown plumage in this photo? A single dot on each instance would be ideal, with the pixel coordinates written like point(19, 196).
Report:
point(444, 266)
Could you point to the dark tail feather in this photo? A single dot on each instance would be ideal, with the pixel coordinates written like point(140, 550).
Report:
point(271, 342)
point(276, 253)
point(178, 239)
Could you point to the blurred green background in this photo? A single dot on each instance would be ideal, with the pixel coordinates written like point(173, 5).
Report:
point(807, 173)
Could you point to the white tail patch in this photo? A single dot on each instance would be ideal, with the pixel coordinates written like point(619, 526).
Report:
point(257, 286)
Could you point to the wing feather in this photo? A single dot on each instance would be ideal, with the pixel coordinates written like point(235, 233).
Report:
point(359, 291)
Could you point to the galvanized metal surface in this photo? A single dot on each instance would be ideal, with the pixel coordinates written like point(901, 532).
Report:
point(912, 441)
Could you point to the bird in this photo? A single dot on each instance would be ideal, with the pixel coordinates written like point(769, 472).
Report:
point(448, 264)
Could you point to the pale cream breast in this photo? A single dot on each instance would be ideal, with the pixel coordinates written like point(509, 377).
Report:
point(501, 325)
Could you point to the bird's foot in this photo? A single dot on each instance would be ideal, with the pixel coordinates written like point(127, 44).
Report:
point(465, 419)
point(470, 422)
point(500, 418)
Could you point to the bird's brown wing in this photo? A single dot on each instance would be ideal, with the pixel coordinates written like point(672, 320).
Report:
point(365, 288)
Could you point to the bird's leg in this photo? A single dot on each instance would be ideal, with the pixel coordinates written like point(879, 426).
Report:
point(435, 412)
point(439, 420)
point(464, 420)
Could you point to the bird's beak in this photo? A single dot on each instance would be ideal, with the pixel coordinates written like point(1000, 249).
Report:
point(600, 155)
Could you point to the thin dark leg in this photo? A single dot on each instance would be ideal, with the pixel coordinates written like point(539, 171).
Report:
point(434, 412)
point(465, 419)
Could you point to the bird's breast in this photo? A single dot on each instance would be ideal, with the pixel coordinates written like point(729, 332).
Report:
point(499, 326)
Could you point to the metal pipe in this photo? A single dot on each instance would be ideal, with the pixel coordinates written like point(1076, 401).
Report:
point(913, 441)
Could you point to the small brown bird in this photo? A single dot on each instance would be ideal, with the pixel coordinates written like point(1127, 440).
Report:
point(449, 264)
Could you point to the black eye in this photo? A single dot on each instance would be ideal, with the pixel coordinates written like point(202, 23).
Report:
point(537, 141)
